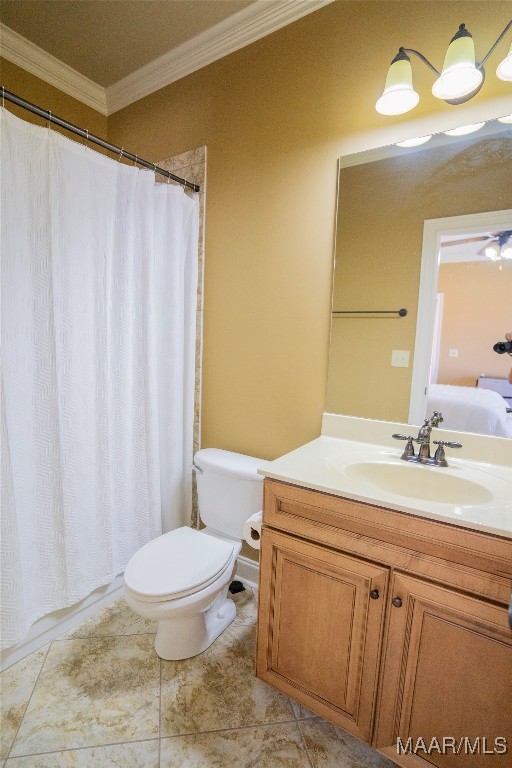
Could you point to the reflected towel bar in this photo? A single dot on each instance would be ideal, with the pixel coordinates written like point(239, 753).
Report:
point(401, 312)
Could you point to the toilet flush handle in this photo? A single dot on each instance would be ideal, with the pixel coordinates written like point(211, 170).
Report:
point(196, 468)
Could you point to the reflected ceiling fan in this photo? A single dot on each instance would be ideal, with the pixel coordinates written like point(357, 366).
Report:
point(497, 245)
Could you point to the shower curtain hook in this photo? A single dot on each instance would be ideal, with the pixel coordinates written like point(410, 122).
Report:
point(3, 96)
point(136, 161)
point(49, 119)
point(120, 155)
point(86, 138)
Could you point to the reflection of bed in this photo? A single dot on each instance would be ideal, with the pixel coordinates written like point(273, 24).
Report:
point(469, 409)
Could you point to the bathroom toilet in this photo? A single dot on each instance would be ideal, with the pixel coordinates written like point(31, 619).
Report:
point(181, 579)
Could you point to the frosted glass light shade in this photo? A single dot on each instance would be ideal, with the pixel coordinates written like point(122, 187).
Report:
point(504, 71)
point(416, 142)
point(459, 77)
point(506, 251)
point(492, 252)
point(399, 96)
point(463, 130)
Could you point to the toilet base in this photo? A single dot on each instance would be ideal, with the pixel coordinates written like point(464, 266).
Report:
point(187, 636)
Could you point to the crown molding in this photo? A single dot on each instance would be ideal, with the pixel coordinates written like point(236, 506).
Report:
point(43, 65)
point(259, 19)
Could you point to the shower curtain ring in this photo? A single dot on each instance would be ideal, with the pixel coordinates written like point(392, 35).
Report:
point(86, 138)
point(3, 96)
point(136, 160)
point(120, 155)
point(49, 119)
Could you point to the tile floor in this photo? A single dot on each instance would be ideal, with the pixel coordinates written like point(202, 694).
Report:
point(99, 697)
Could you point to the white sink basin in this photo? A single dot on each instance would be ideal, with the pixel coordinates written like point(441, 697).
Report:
point(417, 481)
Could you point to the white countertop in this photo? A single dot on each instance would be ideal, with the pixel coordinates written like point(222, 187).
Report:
point(331, 464)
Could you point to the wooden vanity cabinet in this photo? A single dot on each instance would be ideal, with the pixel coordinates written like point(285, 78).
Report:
point(389, 625)
point(323, 628)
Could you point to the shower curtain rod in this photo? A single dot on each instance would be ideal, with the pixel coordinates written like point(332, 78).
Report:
point(47, 115)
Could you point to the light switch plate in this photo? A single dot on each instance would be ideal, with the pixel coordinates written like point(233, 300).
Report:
point(400, 358)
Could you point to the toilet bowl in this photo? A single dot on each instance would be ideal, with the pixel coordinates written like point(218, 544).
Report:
point(181, 579)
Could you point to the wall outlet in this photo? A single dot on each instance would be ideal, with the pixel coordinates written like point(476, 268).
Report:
point(453, 353)
point(400, 358)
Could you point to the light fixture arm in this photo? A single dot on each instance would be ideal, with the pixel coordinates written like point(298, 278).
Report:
point(478, 65)
point(422, 57)
point(498, 41)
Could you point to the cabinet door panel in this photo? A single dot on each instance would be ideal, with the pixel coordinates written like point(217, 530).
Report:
point(447, 674)
point(318, 635)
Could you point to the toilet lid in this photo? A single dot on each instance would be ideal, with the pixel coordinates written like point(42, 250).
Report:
point(177, 563)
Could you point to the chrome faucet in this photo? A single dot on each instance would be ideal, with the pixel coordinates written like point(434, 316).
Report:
point(423, 456)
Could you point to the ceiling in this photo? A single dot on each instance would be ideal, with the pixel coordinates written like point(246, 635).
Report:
point(106, 40)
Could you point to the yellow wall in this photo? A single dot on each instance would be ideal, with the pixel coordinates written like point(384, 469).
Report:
point(476, 314)
point(382, 209)
point(273, 116)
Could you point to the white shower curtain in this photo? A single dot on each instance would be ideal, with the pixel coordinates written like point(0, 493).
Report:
point(99, 282)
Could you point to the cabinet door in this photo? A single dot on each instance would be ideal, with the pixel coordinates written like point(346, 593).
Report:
point(319, 628)
point(447, 675)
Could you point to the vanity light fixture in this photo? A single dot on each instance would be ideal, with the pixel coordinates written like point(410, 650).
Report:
point(461, 77)
point(463, 130)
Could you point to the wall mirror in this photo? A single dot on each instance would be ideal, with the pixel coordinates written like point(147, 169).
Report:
point(412, 228)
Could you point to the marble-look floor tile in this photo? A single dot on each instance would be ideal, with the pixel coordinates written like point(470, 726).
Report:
point(301, 712)
point(218, 689)
point(246, 606)
point(330, 747)
point(93, 692)
point(270, 746)
point(17, 683)
point(142, 754)
point(115, 619)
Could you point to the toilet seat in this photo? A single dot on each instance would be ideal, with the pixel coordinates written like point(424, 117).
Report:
point(177, 564)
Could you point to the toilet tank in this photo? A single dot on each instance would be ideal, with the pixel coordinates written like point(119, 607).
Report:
point(229, 490)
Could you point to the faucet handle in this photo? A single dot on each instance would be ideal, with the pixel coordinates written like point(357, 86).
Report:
point(439, 457)
point(436, 418)
point(447, 443)
point(409, 448)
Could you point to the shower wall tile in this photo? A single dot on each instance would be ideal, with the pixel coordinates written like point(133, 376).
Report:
point(191, 157)
point(17, 683)
point(191, 165)
point(194, 173)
